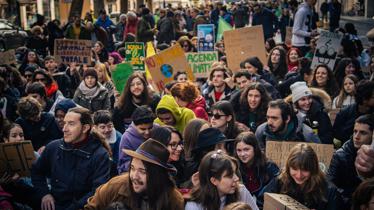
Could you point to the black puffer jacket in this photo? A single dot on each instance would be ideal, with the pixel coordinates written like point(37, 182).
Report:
point(342, 172)
point(344, 122)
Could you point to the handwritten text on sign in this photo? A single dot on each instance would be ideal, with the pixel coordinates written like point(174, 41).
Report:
point(70, 50)
point(135, 54)
point(201, 62)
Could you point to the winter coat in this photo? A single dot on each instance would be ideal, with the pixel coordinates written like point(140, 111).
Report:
point(241, 17)
point(344, 122)
point(99, 32)
point(38, 44)
point(267, 19)
point(284, 87)
point(122, 117)
point(317, 112)
point(42, 132)
point(198, 107)
point(100, 102)
point(272, 172)
point(302, 26)
point(64, 84)
point(74, 173)
point(342, 172)
point(104, 23)
point(296, 131)
point(118, 189)
point(114, 146)
point(210, 98)
point(331, 194)
point(166, 29)
point(144, 31)
point(181, 115)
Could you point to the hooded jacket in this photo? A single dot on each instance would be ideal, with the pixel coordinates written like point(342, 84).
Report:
point(342, 171)
point(131, 140)
point(302, 27)
point(74, 173)
point(198, 107)
point(181, 115)
point(296, 131)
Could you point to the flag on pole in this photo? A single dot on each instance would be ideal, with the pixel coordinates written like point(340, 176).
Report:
point(222, 26)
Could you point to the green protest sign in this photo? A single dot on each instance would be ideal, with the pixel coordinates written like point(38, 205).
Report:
point(121, 74)
point(201, 62)
point(135, 55)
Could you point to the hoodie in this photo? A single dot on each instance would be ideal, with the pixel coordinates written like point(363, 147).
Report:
point(181, 115)
point(198, 107)
point(130, 140)
point(302, 26)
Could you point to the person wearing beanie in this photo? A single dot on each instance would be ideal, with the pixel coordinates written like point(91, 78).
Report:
point(61, 109)
point(312, 111)
point(91, 94)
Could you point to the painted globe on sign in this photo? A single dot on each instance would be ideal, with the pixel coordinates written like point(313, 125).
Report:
point(167, 70)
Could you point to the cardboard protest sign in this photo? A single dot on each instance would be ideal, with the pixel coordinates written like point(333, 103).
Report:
point(8, 57)
point(327, 49)
point(278, 152)
point(201, 62)
point(205, 35)
point(135, 55)
point(16, 157)
point(164, 65)
point(120, 75)
point(275, 201)
point(243, 43)
point(71, 50)
point(288, 40)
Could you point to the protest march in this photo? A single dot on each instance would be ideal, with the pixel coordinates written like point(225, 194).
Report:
point(225, 105)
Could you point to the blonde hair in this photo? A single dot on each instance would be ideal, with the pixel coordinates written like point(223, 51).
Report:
point(102, 67)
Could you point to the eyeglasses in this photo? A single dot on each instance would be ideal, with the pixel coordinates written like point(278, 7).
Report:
point(217, 116)
point(174, 146)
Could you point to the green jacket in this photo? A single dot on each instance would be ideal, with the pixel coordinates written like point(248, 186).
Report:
point(182, 115)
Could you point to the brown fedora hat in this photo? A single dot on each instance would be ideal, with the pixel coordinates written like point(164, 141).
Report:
point(153, 152)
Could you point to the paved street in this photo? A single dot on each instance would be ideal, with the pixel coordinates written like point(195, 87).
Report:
point(362, 24)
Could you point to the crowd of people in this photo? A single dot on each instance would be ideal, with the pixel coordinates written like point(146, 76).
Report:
point(197, 145)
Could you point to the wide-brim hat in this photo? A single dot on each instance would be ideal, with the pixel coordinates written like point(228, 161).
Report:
point(209, 137)
point(153, 152)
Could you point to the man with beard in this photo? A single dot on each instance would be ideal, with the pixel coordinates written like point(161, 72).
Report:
point(137, 189)
point(71, 168)
point(219, 89)
point(283, 125)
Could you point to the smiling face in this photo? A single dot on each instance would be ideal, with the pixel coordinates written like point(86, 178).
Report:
point(245, 152)
point(138, 175)
point(321, 76)
point(73, 129)
point(136, 87)
point(254, 99)
point(293, 56)
point(182, 78)
point(350, 69)
point(299, 176)
point(305, 103)
point(175, 147)
point(144, 130)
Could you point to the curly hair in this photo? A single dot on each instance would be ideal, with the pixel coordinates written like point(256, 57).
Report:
point(29, 107)
point(185, 91)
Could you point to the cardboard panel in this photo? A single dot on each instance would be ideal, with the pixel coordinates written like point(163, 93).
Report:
point(201, 63)
point(328, 45)
point(16, 157)
point(288, 40)
point(278, 152)
point(164, 65)
point(8, 57)
point(71, 50)
point(243, 43)
point(275, 201)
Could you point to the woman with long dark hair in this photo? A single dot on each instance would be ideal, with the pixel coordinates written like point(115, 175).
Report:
point(277, 63)
point(30, 58)
point(304, 181)
point(253, 106)
point(324, 79)
point(135, 94)
point(255, 169)
point(347, 66)
point(218, 184)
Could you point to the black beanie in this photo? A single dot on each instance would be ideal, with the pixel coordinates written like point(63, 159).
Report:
point(90, 72)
